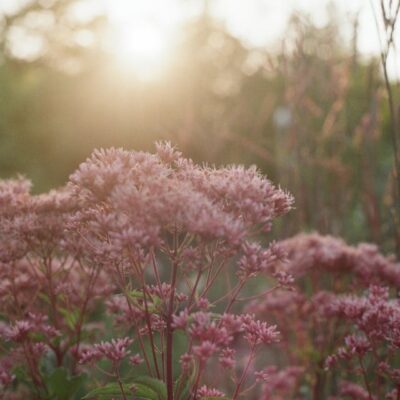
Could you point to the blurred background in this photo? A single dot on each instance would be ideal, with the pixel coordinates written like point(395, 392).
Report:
point(294, 86)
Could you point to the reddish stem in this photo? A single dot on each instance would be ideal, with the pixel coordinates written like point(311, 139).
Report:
point(170, 382)
point(244, 374)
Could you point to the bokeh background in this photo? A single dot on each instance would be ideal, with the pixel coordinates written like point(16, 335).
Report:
point(295, 87)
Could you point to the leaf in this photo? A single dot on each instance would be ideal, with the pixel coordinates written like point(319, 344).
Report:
point(143, 392)
point(21, 375)
point(71, 317)
point(214, 398)
point(109, 390)
point(157, 301)
point(143, 387)
point(136, 294)
point(44, 297)
point(155, 385)
point(184, 387)
point(61, 386)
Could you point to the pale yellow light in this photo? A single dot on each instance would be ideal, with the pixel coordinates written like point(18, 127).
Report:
point(144, 49)
point(143, 34)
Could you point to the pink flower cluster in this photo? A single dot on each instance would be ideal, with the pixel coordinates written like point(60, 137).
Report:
point(159, 256)
point(313, 254)
point(115, 350)
point(148, 248)
point(341, 322)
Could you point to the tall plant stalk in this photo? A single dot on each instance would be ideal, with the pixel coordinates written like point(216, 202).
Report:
point(389, 12)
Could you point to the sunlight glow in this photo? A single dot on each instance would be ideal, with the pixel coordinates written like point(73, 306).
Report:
point(144, 48)
point(143, 34)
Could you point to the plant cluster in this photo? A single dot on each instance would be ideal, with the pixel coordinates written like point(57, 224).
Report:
point(147, 277)
point(340, 325)
point(127, 283)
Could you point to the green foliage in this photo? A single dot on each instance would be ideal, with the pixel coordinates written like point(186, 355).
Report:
point(60, 386)
point(155, 385)
point(70, 317)
point(143, 388)
point(109, 391)
point(182, 387)
point(214, 398)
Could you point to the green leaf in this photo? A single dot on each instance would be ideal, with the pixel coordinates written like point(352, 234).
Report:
point(184, 387)
point(214, 398)
point(155, 385)
point(143, 392)
point(44, 297)
point(143, 387)
point(71, 317)
point(61, 386)
point(157, 301)
point(21, 375)
point(109, 390)
point(136, 294)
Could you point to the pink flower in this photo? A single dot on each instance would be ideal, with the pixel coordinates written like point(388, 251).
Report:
point(357, 345)
point(186, 361)
point(311, 253)
point(227, 359)
point(205, 391)
point(354, 391)
point(204, 351)
point(6, 377)
point(136, 359)
point(255, 259)
point(203, 303)
point(180, 321)
point(284, 279)
point(282, 382)
point(115, 351)
point(259, 332)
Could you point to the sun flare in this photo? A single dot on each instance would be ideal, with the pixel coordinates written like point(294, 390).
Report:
point(143, 48)
point(142, 36)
